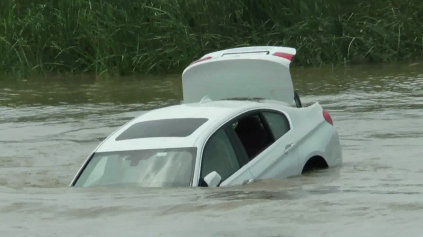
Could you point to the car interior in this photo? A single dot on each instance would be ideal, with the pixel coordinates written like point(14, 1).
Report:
point(254, 136)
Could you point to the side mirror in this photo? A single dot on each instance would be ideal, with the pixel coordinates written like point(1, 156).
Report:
point(213, 179)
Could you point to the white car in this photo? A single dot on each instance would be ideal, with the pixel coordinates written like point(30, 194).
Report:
point(240, 121)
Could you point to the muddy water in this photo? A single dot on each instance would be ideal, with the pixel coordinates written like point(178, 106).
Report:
point(49, 126)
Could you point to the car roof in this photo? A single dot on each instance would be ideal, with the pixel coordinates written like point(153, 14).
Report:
point(213, 111)
point(205, 109)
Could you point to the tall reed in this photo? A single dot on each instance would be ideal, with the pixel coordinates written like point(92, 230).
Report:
point(140, 36)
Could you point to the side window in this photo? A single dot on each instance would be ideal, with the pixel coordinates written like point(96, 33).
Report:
point(253, 134)
point(219, 156)
point(277, 122)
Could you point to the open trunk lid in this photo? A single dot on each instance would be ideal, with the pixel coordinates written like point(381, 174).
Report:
point(250, 72)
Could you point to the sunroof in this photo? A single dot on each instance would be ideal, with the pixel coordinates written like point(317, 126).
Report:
point(180, 127)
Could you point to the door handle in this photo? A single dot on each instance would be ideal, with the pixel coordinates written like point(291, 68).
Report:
point(288, 147)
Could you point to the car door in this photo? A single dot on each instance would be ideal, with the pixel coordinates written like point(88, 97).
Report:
point(265, 137)
point(221, 154)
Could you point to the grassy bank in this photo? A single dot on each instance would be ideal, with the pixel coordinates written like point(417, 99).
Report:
point(123, 37)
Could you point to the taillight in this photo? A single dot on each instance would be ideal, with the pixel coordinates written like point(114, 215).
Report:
point(284, 55)
point(327, 117)
point(200, 60)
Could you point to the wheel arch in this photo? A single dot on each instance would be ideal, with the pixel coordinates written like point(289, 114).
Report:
point(315, 162)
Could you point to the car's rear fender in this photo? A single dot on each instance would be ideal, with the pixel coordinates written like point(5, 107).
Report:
point(322, 141)
point(315, 136)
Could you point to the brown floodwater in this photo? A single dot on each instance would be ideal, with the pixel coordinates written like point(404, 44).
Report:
point(48, 126)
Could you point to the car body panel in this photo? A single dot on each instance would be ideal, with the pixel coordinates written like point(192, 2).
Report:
point(274, 162)
point(328, 146)
point(230, 74)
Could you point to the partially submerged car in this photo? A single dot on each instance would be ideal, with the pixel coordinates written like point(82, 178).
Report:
point(241, 121)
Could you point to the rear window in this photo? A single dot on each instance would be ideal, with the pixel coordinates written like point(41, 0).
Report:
point(182, 127)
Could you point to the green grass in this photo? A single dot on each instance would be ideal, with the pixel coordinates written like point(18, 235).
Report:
point(117, 37)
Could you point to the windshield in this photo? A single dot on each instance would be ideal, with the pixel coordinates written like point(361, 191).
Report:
point(140, 168)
